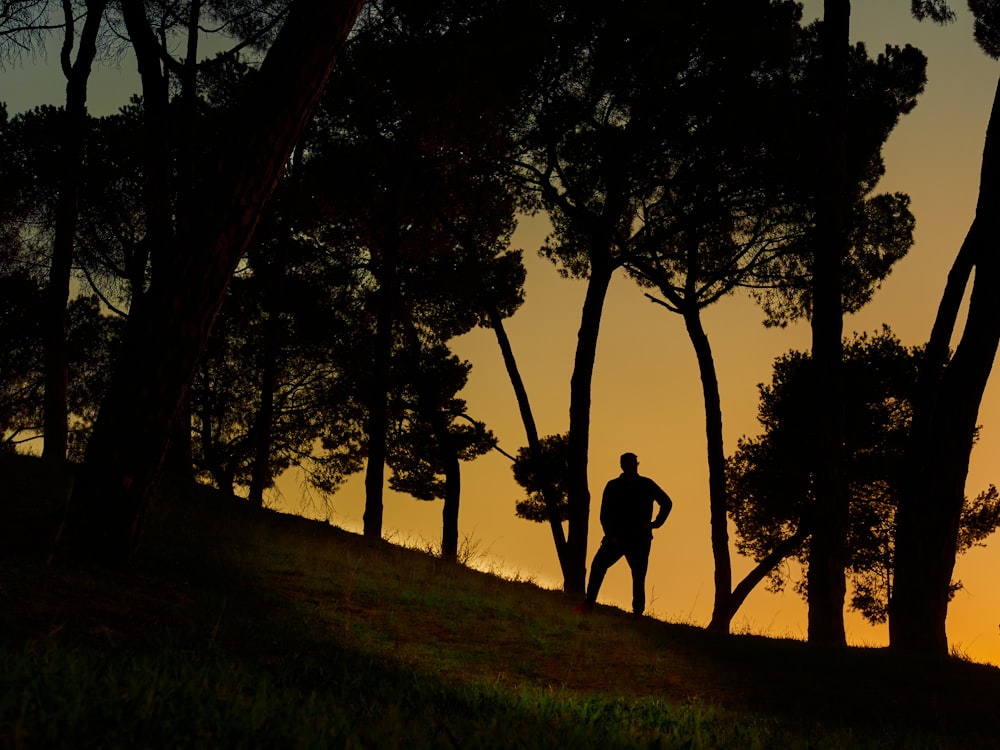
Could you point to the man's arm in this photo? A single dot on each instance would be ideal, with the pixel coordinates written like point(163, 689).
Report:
point(665, 503)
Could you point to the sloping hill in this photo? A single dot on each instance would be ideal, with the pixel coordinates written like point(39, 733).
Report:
point(245, 627)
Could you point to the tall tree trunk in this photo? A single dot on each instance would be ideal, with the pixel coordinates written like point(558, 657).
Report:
point(429, 401)
point(449, 513)
point(157, 198)
point(163, 343)
point(578, 489)
point(726, 603)
point(549, 493)
point(452, 486)
point(944, 424)
point(158, 188)
point(180, 458)
point(717, 498)
point(378, 393)
point(827, 559)
point(262, 433)
point(55, 427)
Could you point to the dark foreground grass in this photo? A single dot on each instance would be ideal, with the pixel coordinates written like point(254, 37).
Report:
point(246, 628)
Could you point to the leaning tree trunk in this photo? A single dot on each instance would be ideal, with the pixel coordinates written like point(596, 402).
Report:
point(549, 493)
point(55, 425)
point(944, 425)
point(163, 343)
point(827, 559)
point(578, 490)
point(727, 603)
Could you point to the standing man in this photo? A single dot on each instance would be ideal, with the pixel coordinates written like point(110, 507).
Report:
point(626, 509)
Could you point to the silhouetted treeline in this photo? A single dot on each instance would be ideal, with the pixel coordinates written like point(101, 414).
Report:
point(259, 263)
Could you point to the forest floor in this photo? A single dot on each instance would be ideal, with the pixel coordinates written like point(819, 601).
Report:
point(373, 644)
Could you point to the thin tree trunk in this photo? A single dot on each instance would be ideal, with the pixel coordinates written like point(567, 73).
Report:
point(827, 559)
point(452, 486)
point(263, 427)
point(783, 550)
point(162, 345)
point(717, 496)
point(158, 188)
point(55, 426)
point(428, 406)
point(180, 461)
point(449, 513)
point(944, 424)
point(578, 489)
point(549, 494)
point(157, 167)
point(378, 394)
point(726, 606)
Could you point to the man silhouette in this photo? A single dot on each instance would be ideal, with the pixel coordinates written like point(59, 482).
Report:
point(626, 509)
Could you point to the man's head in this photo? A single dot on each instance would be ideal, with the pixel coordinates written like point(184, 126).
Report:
point(629, 463)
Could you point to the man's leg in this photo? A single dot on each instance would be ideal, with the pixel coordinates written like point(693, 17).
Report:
point(637, 556)
point(606, 556)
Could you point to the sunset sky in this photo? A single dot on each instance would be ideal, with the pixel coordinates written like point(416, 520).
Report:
point(647, 394)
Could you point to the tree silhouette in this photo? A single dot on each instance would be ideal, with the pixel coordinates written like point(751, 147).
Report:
point(771, 476)
point(605, 142)
point(71, 140)
point(162, 343)
point(427, 438)
point(723, 218)
point(21, 365)
point(424, 204)
point(826, 587)
point(740, 215)
point(949, 394)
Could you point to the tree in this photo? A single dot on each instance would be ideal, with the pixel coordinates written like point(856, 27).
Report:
point(426, 438)
point(111, 249)
point(826, 585)
point(271, 383)
point(740, 213)
point(71, 145)
point(598, 149)
point(771, 476)
point(32, 177)
point(425, 209)
point(19, 293)
point(21, 364)
point(497, 291)
point(877, 231)
point(162, 343)
point(547, 501)
point(722, 217)
point(441, 298)
point(173, 136)
point(577, 167)
point(949, 393)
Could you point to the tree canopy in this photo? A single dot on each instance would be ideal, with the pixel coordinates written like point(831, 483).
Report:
point(771, 476)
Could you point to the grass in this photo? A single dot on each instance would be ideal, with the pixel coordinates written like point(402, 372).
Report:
point(242, 627)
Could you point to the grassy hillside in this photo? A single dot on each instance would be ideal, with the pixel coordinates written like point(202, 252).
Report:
point(247, 628)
